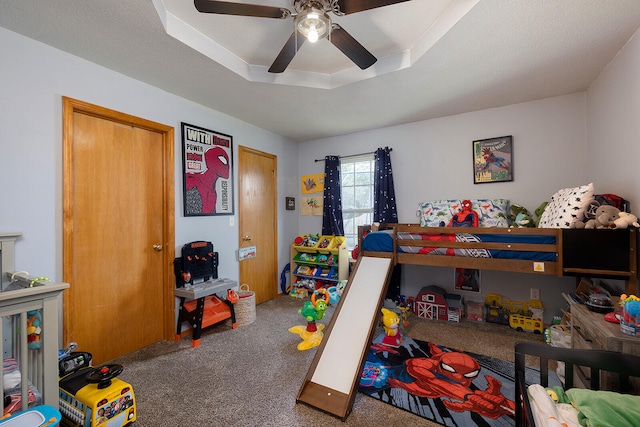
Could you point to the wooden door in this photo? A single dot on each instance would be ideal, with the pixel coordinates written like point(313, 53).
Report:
point(257, 221)
point(118, 231)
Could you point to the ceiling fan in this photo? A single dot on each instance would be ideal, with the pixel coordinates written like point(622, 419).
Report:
point(311, 20)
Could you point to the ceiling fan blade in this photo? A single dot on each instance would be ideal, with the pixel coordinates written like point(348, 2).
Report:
point(353, 6)
point(350, 47)
point(287, 53)
point(229, 8)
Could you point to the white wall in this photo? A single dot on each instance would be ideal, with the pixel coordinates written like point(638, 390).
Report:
point(613, 126)
point(433, 160)
point(33, 79)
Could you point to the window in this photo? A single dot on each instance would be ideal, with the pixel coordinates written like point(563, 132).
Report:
point(356, 177)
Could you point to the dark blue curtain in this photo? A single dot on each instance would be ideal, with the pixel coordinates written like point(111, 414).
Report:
point(332, 208)
point(384, 195)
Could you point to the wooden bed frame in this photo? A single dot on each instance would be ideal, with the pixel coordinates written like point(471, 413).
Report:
point(627, 366)
point(581, 253)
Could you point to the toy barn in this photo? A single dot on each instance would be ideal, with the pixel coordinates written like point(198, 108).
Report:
point(433, 302)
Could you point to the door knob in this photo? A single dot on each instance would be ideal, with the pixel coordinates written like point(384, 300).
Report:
point(157, 248)
point(246, 238)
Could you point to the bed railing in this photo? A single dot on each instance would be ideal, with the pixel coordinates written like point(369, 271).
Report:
point(399, 235)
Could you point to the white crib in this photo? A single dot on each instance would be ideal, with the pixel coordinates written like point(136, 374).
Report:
point(39, 366)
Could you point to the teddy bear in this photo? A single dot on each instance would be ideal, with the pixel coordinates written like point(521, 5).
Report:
point(605, 217)
point(626, 220)
point(520, 217)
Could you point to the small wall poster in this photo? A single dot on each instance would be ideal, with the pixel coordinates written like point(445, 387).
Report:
point(467, 279)
point(311, 205)
point(312, 184)
point(493, 160)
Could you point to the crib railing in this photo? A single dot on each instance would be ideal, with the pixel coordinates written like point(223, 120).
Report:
point(38, 366)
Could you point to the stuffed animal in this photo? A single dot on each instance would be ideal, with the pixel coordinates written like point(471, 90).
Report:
point(539, 211)
point(520, 217)
point(465, 217)
point(589, 214)
point(626, 220)
point(606, 215)
point(34, 323)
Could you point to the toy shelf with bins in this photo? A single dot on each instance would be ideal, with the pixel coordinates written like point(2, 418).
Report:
point(327, 260)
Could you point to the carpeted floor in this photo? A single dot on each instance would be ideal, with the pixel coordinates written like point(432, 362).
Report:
point(250, 376)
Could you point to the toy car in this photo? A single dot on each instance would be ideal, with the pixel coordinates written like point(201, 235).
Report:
point(90, 396)
point(526, 323)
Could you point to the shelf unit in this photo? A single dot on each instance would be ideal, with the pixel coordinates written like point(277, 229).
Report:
point(591, 332)
point(327, 263)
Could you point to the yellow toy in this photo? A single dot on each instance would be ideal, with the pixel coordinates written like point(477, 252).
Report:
point(391, 324)
point(312, 310)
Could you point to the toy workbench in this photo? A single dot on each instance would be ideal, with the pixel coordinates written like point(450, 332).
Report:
point(203, 296)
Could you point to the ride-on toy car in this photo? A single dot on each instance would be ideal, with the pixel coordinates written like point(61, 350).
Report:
point(93, 396)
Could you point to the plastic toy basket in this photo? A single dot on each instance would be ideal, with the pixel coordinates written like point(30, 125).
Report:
point(245, 308)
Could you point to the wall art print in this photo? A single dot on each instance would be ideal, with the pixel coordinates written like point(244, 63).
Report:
point(467, 279)
point(312, 184)
point(493, 160)
point(207, 160)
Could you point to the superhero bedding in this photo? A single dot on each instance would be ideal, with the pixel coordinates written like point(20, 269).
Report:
point(383, 241)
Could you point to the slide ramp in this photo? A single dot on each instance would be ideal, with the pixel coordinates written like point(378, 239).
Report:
point(332, 381)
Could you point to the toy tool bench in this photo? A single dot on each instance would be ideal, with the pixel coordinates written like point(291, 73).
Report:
point(204, 299)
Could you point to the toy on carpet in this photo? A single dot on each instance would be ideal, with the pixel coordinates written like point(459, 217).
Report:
point(312, 311)
point(520, 217)
point(405, 306)
point(92, 396)
point(335, 292)
point(37, 416)
point(374, 375)
point(391, 324)
point(465, 217)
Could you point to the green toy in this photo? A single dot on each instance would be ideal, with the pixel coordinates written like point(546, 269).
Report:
point(539, 211)
point(520, 217)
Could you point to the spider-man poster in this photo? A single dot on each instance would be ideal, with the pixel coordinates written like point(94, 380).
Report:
point(449, 387)
point(493, 160)
point(208, 172)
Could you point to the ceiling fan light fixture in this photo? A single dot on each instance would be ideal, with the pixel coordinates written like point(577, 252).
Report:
point(313, 24)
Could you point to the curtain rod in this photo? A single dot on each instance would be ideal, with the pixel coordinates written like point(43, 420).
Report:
point(353, 155)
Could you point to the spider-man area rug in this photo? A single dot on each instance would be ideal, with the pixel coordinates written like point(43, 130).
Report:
point(443, 385)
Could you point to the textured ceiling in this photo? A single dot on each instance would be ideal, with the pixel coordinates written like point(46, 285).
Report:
point(494, 53)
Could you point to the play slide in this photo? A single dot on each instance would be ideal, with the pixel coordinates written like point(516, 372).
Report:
point(331, 383)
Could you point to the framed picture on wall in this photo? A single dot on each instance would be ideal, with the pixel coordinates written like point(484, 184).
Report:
point(208, 171)
point(493, 160)
point(467, 279)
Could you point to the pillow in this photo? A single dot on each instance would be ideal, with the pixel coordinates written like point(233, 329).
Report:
point(491, 212)
point(566, 207)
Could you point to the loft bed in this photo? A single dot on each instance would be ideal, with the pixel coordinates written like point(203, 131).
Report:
point(546, 251)
point(534, 407)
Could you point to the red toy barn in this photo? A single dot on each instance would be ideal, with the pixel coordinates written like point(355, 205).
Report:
point(431, 303)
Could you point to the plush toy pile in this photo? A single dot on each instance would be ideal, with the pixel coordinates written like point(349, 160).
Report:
point(600, 211)
point(607, 216)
